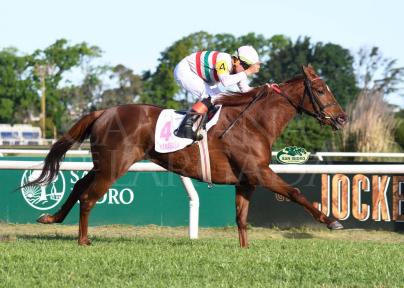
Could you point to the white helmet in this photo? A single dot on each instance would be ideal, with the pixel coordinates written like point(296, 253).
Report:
point(247, 54)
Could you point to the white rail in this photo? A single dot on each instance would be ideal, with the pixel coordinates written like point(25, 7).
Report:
point(278, 168)
point(319, 155)
point(41, 152)
point(334, 169)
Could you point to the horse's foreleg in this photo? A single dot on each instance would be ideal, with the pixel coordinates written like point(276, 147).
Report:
point(243, 195)
point(273, 182)
point(60, 215)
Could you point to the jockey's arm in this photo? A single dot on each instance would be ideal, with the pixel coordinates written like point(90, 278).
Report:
point(232, 79)
point(243, 86)
point(227, 79)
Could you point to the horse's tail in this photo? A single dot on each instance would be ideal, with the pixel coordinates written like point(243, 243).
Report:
point(77, 134)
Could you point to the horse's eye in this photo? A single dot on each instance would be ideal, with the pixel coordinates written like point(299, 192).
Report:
point(320, 91)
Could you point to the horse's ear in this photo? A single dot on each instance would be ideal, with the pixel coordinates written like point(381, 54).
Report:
point(304, 69)
point(308, 70)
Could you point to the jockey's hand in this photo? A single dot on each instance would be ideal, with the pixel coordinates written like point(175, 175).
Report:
point(254, 68)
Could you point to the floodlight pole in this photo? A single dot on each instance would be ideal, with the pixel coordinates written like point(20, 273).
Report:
point(42, 72)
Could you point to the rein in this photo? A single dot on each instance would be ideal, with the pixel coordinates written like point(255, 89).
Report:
point(318, 107)
point(252, 102)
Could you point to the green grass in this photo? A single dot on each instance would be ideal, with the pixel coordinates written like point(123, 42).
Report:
point(131, 257)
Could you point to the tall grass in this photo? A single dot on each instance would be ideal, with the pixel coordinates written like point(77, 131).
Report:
point(371, 125)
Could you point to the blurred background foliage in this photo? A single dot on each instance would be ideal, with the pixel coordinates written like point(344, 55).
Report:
point(360, 81)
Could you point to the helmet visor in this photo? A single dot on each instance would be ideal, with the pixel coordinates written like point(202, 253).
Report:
point(244, 64)
point(243, 61)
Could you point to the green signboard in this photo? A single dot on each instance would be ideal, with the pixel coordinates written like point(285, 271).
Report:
point(138, 198)
point(142, 198)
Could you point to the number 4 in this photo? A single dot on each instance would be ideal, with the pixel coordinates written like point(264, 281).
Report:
point(166, 131)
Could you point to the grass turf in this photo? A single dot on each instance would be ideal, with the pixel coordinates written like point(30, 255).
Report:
point(164, 257)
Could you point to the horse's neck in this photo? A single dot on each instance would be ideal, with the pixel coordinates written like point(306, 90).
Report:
point(279, 111)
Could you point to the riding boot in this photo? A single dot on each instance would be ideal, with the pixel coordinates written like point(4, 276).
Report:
point(185, 128)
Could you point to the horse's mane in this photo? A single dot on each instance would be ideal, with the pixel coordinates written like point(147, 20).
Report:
point(295, 78)
point(239, 98)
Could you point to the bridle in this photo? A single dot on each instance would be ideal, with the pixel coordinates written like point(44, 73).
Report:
point(319, 107)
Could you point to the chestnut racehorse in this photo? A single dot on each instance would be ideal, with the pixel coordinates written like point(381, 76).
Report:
point(123, 135)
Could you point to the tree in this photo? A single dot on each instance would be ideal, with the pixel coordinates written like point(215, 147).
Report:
point(332, 62)
point(128, 90)
point(375, 72)
point(18, 94)
point(81, 99)
point(57, 59)
point(306, 132)
point(160, 87)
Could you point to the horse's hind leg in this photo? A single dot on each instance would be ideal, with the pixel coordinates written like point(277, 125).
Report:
point(243, 195)
point(273, 182)
point(88, 198)
point(106, 174)
point(61, 214)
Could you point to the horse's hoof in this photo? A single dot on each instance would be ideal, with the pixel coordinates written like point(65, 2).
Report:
point(335, 226)
point(46, 219)
point(85, 242)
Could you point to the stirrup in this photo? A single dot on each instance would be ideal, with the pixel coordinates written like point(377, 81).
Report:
point(198, 137)
point(185, 129)
point(182, 133)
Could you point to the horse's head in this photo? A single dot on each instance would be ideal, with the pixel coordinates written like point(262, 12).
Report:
point(319, 102)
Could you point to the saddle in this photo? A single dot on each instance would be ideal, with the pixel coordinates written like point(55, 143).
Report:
point(169, 120)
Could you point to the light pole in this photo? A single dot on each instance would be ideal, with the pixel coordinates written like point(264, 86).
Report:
point(42, 71)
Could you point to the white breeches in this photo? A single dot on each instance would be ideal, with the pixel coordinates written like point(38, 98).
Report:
point(192, 83)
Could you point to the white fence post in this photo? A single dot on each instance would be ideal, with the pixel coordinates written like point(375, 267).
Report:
point(193, 207)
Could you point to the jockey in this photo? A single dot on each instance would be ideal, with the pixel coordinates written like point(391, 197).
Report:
point(201, 72)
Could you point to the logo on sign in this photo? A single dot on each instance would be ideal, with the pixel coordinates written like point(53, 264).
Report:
point(293, 155)
point(42, 197)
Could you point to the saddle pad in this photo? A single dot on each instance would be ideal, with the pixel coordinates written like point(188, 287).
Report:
point(164, 139)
